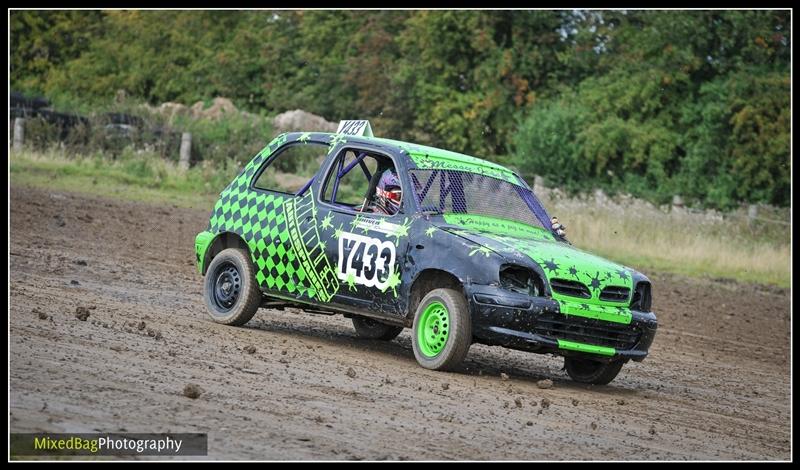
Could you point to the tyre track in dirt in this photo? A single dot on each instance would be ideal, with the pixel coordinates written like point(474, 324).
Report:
point(716, 385)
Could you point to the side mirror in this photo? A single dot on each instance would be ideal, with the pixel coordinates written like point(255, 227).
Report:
point(557, 227)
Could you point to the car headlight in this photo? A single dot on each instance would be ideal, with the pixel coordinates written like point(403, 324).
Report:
point(521, 280)
point(642, 297)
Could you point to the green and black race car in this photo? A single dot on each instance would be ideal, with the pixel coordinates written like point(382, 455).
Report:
point(463, 253)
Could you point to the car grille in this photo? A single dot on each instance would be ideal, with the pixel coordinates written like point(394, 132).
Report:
point(615, 294)
point(589, 331)
point(571, 288)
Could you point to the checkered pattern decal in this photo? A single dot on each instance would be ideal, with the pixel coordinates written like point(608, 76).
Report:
point(281, 232)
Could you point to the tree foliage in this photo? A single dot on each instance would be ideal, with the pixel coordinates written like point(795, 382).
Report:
point(690, 103)
point(650, 102)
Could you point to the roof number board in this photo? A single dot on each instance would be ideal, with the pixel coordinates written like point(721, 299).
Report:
point(361, 128)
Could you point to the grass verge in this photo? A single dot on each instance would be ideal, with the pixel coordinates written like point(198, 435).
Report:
point(698, 245)
point(133, 177)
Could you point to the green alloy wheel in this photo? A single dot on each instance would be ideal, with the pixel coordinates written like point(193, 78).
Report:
point(433, 331)
point(442, 330)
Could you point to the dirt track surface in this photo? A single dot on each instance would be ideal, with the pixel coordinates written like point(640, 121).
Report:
point(716, 384)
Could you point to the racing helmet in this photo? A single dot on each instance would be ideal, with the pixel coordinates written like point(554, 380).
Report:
point(388, 193)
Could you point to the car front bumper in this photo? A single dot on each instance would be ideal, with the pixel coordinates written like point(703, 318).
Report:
point(201, 243)
point(536, 324)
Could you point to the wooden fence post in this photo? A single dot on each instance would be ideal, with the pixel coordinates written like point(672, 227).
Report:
point(752, 214)
point(186, 151)
point(19, 133)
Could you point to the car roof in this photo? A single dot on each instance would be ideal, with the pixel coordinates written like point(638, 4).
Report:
point(425, 157)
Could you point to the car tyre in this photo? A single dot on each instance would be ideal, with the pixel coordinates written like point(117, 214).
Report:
point(592, 372)
point(230, 289)
point(442, 331)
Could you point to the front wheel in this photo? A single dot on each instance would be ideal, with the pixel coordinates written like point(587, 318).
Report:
point(592, 372)
point(442, 331)
point(231, 293)
point(372, 329)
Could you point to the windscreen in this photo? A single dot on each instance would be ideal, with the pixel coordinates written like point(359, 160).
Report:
point(461, 192)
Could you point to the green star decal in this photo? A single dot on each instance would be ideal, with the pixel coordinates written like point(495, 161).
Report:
point(355, 222)
point(351, 282)
point(393, 282)
point(401, 231)
point(336, 139)
point(326, 222)
point(481, 249)
point(430, 230)
point(304, 137)
point(338, 232)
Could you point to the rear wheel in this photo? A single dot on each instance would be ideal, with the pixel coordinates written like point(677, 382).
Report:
point(592, 372)
point(372, 329)
point(442, 330)
point(230, 290)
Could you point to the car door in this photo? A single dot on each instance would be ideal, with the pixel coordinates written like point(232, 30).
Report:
point(367, 250)
point(278, 220)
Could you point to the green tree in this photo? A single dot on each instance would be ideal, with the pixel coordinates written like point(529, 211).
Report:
point(153, 55)
point(650, 102)
point(695, 103)
point(737, 141)
point(469, 73)
point(43, 40)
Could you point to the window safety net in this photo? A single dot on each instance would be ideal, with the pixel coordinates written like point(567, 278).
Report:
point(460, 192)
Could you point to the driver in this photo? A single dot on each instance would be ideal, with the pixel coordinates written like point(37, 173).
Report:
point(387, 194)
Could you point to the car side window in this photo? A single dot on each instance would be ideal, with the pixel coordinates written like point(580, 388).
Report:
point(355, 180)
point(353, 185)
point(291, 168)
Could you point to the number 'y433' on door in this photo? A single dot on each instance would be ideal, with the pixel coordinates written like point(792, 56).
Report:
point(368, 260)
